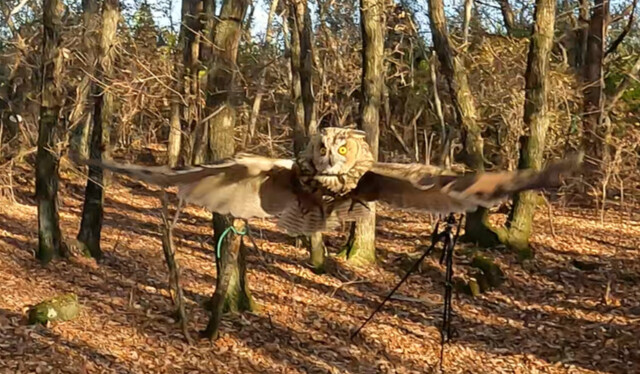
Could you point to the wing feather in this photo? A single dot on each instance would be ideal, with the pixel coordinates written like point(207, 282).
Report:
point(431, 189)
point(246, 186)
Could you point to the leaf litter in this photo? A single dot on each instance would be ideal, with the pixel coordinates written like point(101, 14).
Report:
point(548, 317)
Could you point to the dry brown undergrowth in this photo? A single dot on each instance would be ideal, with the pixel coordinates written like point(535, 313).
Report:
point(549, 316)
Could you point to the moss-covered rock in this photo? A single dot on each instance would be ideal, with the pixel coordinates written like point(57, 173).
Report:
point(60, 308)
point(490, 270)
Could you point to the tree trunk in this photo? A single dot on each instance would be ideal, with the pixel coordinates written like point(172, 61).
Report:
point(582, 34)
point(50, 243)
point(297, 116)
point(304, 101)
point(175, 128)
point(507, 16)
point(207, 10)
point(476, 227)
point(303, 19)
point(82, 114)
point(333, 57)
point(468, 5)
point(255, 109)
point(186, 58)
point(91, 224)
point(232, 292)
point(361, 246)
point(594, 82)
point(168, 248)
point(537, 120)
point(191, 10)
point(200, 23)
point(317, 253)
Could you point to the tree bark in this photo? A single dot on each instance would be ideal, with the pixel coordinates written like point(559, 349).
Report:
point(191, 55)
point(361, 247)
point(303, 19)
point(186, 69)
point(302, 96)
point(476, 227)
point(468, 5)
point(255, 109)
point(297, 116)
point(168, 248)
point(582, 34)
point(594, 82)
point(92, 210)
point(175, 129)
point(317, 253)
point(207, 10)
point(507, 16)
point(50, 243)
point(82, 114)
point(232, 292)
point(536, 119)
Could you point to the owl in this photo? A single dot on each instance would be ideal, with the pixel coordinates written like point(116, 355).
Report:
point(332, 181)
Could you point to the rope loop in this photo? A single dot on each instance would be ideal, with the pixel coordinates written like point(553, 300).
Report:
point(224, 234)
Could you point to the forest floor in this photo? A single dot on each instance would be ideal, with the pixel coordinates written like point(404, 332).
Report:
point(548, 317)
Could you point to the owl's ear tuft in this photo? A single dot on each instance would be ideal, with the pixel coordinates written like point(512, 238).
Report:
point(325, 130)
point(358, 134)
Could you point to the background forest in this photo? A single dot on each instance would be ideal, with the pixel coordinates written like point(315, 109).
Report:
point(466, 85)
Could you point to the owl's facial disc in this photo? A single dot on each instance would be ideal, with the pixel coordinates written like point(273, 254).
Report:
point(332, 158)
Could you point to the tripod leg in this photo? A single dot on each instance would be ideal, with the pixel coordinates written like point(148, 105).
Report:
point(448, 247)
point(435, 238)
point(448, 290)
point(447, 253)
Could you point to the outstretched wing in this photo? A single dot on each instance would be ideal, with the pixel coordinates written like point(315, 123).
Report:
point(245, 186)
point(427, 188)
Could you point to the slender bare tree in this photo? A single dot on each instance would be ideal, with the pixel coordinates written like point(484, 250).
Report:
point(257, 101)
point(582, 34)
point(477, 228)
point(91, 224)
point(507, 16)
point(82, 114)
point(50, 243)
point(537, 120)
point(594, 80)
point(232, 292)
point(297, 116)
point(303, 109)
point(360, 247)
point(183, 106)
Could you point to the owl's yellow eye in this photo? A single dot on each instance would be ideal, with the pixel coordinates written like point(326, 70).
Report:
point(323, 151)
point(342, 150)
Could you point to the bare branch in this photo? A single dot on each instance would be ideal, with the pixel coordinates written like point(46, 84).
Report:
point(625, 31)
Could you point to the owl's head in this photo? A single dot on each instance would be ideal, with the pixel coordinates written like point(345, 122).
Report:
point(340, 156)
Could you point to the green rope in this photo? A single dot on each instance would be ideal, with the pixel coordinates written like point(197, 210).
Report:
point(224, 233)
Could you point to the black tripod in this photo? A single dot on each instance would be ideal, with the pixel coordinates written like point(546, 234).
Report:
point(448, 239)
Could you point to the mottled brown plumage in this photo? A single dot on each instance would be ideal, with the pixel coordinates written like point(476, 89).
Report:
point(332, 181)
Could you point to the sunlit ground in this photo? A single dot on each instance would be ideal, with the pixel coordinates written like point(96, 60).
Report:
point(548, 317)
